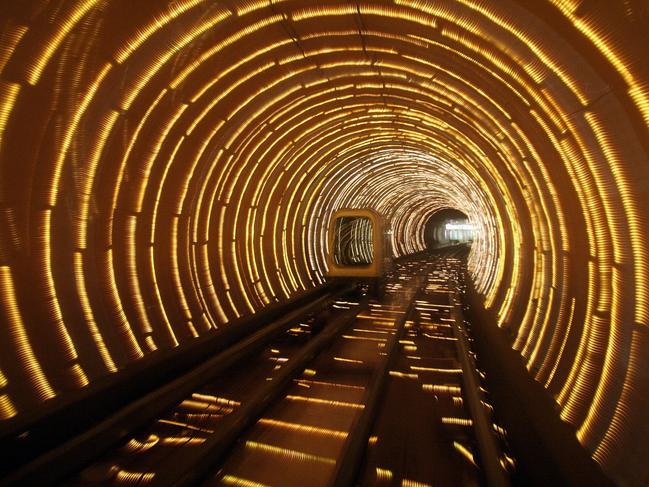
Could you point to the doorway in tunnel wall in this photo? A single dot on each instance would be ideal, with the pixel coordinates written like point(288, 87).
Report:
point(447, 226)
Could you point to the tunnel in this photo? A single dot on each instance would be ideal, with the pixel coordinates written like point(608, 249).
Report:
point(168, 170)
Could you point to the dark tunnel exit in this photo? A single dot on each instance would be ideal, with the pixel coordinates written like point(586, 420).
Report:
point(447, 226)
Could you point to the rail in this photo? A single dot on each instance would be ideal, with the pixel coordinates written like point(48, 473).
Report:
point(76, 452)
point(490, 453)
point(347, 469)
point(191, 468)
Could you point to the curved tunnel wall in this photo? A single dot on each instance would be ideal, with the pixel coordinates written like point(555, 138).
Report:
point(169, 167)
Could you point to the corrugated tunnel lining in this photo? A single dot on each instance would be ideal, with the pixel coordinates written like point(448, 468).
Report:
point(167, 171)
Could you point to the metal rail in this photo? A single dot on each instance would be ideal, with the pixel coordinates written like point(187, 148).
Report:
point(191, 468)
point(490, 453)
point(351, 458)
point(28, 436)
point(77, 452)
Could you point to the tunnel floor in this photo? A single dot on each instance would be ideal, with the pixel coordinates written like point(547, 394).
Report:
point(389, 379)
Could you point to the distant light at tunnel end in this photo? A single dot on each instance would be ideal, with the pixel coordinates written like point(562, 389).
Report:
point(460, 226)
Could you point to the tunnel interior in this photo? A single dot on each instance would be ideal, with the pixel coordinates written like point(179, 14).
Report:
point(168, 173)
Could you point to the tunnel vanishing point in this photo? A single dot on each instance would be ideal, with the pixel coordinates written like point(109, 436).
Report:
point(168, 168)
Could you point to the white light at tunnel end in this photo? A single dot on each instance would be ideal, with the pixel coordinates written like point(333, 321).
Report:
point(459, 226)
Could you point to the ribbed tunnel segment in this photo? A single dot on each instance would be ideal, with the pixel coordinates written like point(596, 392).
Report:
point(167, 167)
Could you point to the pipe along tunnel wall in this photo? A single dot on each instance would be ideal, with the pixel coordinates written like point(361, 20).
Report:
point(168, 167)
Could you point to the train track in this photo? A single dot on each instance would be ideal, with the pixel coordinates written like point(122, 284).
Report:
point(370, 391)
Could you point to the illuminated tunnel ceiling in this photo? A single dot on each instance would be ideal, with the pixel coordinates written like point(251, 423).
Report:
point(169, 166)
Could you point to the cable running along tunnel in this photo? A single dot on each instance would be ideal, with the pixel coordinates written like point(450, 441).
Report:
point(168, 169)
